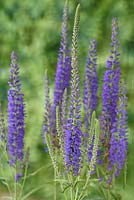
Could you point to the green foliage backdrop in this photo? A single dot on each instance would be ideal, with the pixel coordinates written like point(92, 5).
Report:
point(32, 29)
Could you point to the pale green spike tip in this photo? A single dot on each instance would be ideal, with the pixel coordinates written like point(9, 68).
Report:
point(66, 3)
point(93, 119)
point(78, 7)
point(97, 127)
point(76, 30)
point(94, 115)
point(46, 73)
point(77, 13)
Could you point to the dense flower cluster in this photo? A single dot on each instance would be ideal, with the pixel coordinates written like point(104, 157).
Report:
point(75, 146)
point(71, 137)
point(90, 83)
point(73, 127)
point(16, 126)
point(111, 84)
point(62, 77)
point(64, 62)
point(110, 98)
point(119, 137)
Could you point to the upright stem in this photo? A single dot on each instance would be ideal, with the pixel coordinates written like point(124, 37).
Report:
point(24, 180)
point(72, 193)
point(55, 184)
point(76, 194)
point(108, 195)
point(15, 185)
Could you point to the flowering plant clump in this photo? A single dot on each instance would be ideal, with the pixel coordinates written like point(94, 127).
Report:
point(14, 157)
point(87, 156)
point(95, 150)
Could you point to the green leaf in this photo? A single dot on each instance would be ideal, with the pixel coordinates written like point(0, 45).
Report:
point(69, 185)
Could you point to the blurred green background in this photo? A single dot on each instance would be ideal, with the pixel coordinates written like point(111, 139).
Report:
point(32, 29)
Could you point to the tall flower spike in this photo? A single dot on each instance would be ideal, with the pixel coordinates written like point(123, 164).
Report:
point(46, 122)
point(95, 146)
point(90, 142)
point(16, 114)
point(73, 127)
point(122, 128)
point(90, 84)
point(63, 71)
point(111, 82)
point(119, 138)
point(64, 63)
point(110, 91)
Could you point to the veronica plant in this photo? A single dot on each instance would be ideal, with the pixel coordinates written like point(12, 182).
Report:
point(14, 159)
point(92, 153)
point(62, 77)
point(95, 150)
point(69, 167)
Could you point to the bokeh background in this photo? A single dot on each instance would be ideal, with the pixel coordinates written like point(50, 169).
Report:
point(32, 29)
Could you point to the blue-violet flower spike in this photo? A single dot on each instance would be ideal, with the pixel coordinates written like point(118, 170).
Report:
point(16, 114)
point(73, 128)
point(90, 84)
point(64, 62)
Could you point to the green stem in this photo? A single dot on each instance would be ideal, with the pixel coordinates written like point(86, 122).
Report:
point(85, 186)
point(71, 193)
point(76, 194)
point(15, 192)
point(24, 180)
point(55, 184)
point(15, 184)
point(108, 195)
point(62, 188)
point(125, 175)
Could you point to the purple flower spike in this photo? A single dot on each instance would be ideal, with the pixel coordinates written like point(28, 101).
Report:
point(110, 93)
point(107, 109)
point(64, 62)
point(111, 83)
point(90, 84)
point(119, 138)
point(63, 71)
point(16, 114)
point(73, 128)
